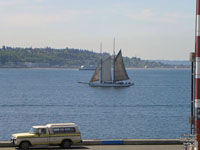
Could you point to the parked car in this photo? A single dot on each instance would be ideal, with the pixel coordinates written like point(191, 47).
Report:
point(62, 134)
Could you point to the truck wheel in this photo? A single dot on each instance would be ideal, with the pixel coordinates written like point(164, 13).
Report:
point(66, 144)
point(24, 145)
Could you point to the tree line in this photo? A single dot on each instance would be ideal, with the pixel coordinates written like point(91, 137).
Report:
point(67, 57)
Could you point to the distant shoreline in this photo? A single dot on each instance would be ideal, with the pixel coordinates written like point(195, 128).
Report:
point(19, 57)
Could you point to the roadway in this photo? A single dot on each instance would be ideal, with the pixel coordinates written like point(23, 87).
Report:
point(111, 147)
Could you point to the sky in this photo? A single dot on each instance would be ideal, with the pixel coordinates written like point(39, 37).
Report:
point(149, 29)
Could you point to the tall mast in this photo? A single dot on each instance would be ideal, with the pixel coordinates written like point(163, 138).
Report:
point(101, 61)
point(114, 60)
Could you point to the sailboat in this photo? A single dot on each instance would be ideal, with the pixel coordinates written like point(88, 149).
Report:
point(102, 76)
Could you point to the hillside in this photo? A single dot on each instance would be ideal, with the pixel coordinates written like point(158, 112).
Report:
point(68, 58)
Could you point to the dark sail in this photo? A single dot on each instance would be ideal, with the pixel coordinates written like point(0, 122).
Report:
point(106, 70)
point(119, 68)
point(95, 76)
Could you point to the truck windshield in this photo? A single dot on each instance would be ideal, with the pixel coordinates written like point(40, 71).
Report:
point(33, 130)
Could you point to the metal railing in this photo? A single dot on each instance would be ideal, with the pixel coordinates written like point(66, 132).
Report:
point(188, 141)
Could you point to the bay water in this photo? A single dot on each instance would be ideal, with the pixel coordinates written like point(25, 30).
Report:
point(157, 106)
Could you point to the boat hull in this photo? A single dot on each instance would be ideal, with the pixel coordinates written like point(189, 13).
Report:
point(111, 84)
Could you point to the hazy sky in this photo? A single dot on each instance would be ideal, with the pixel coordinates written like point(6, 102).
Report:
point(150, 29)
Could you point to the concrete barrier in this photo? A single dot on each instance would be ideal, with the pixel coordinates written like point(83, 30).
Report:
point(117, 142)
point(91, 142)
point(6, 144)
point(113, 142)
point(152, 142)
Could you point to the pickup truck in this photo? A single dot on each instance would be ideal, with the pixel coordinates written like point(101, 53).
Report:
point(62, 134)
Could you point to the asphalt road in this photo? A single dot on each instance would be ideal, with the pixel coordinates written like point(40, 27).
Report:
point(111, 147)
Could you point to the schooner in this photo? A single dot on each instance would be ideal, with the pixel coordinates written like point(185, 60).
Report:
point(102, 76)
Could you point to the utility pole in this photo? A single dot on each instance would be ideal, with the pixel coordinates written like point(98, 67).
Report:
point(197, 78)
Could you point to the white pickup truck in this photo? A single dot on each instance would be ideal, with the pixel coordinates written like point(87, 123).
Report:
point(62, 134)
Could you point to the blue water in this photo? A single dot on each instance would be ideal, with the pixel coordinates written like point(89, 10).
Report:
point(157, 106)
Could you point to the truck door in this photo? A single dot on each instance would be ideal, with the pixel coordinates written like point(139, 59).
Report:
point(43, 136)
